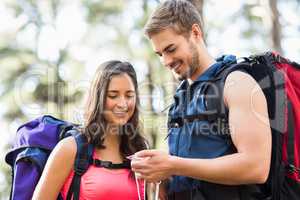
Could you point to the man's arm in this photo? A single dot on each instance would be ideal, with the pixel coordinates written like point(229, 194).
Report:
point(250, 133)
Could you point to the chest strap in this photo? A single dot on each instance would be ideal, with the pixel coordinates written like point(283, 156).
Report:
point(109, 165)
point(179, 122)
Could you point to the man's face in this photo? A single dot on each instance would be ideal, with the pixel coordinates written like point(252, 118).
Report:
point(178, 53)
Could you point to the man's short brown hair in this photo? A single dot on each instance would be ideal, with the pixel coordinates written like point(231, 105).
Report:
point(177, 14)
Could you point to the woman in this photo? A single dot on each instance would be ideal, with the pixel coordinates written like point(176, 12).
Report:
point(111, 126)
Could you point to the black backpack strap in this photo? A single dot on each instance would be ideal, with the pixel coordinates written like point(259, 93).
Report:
point(81, 164)
point(109, 165)
point(180, 121)
point(290, 140)
point(217, 107)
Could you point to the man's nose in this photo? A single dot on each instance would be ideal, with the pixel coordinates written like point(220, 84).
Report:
point(166, 60)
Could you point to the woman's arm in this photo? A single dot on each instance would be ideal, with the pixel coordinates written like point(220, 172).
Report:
point(56, 171)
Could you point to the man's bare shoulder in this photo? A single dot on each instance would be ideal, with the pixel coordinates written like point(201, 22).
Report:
point(241, 87)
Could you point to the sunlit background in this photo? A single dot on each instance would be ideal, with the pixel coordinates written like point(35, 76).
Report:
point(50, 49)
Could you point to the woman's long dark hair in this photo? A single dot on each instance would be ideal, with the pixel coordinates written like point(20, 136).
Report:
point(95, 124)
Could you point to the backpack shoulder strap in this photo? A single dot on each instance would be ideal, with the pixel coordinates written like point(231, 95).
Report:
point(218, 82)
point(81, 164)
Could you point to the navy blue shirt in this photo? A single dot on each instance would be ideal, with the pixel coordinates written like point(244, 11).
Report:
point(195, 139)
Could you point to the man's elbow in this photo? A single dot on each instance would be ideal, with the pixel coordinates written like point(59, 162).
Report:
point(261, 175)
point(258, 171)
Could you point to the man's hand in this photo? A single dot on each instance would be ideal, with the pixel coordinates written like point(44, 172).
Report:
point(152, 165)
point(163, 194)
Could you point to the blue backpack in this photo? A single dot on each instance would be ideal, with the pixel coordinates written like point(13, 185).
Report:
point(33, 144)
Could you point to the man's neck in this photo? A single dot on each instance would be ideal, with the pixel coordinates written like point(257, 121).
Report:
point(205, 61)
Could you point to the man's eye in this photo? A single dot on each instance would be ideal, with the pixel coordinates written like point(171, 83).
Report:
point(171, 50)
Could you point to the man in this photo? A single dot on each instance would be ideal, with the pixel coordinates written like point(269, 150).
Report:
point(205, 163)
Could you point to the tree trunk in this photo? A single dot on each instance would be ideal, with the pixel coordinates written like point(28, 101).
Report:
point(152, 133)
point(276, 27)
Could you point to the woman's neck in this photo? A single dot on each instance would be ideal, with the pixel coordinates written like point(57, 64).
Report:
point(111, 152)
point(112, 137)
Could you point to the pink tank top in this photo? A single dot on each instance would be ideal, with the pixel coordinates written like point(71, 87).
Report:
point(99, 183)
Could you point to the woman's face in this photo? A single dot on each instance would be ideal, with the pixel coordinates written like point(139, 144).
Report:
point(120, 100)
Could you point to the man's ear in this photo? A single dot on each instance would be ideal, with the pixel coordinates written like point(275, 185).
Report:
point(196, 32)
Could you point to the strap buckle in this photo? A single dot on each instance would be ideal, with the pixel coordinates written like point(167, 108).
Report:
point(101, 163)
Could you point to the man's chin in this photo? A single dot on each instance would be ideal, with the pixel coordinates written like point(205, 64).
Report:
point(179, 77)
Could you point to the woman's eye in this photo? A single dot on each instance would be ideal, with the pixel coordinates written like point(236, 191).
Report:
point(112, 96)
point(130, 95)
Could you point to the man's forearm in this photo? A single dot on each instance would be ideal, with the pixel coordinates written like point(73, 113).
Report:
point(231, 169)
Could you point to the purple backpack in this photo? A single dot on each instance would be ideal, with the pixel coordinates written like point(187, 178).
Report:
point(33, 144)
